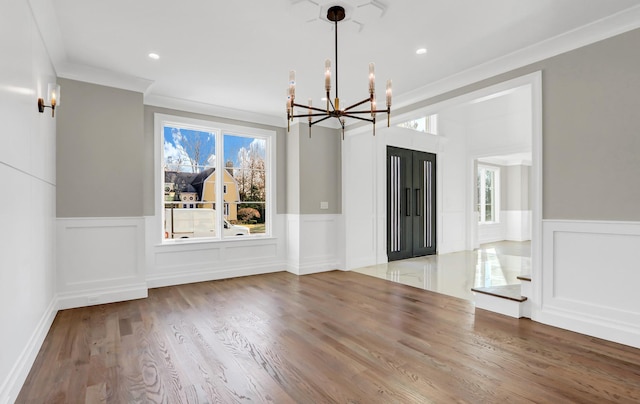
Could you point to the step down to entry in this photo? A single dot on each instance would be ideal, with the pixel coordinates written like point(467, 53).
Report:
point(511, 292)
point(505, 299)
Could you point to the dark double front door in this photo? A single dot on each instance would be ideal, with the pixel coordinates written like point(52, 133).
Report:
point(411, 202)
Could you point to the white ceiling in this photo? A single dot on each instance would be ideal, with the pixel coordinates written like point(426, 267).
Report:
point(237, 54)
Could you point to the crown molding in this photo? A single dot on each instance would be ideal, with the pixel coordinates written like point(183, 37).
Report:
point(95, 75)
point(180, 104)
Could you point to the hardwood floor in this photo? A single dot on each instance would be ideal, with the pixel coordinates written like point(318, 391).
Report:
point(331, 337)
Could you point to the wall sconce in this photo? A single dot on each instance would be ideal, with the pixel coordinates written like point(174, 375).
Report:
point(53, 92)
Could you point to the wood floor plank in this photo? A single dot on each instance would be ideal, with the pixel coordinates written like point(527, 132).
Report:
point(330, 337)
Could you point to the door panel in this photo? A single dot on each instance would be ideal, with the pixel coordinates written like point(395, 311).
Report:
point(410, 203)
point(399, 217)
point(424, 215)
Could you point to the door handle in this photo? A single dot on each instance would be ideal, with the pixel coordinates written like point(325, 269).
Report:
point(418, 204)
point(407, 201)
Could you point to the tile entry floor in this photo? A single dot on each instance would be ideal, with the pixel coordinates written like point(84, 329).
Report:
point(456, 273)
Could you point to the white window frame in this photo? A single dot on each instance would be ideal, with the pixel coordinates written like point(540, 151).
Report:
point(221, 129)
point(482, 193)
point(430, 123)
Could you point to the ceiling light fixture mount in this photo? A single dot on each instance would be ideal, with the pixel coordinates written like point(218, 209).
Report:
point(336, 14)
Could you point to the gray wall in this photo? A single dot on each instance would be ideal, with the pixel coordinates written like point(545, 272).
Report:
point(591, 140)
point(320, 169)
point(293, 170)
point(314, 170)
point(99, 151)
point(149, 136)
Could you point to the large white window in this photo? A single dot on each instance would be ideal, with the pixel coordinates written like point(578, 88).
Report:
point(215, 179)
point(488, 188)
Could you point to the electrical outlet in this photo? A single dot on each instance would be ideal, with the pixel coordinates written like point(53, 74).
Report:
point(324, 205)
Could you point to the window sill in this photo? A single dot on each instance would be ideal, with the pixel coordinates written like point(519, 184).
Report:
point(202, 241)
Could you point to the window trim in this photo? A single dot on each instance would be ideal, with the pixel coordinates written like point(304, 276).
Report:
point(430, 122)
point(222, 128)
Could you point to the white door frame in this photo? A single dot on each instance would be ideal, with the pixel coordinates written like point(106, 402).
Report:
point(534, 80)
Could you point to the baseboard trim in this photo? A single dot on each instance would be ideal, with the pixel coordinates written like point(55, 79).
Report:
point(13, 384)
point(593, 326)
point(180, 278)
point(313, 267)
point(93, 297)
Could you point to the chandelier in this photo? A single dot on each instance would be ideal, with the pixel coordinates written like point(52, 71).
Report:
point(332, 110)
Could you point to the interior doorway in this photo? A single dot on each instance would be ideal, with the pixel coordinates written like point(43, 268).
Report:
point(411, 203)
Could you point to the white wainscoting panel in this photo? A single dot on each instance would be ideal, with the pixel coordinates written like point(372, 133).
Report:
point(489, 233)
point(314, 243)
point(100, 260)
point(189, 261)
point(517, 224)
point(590, 279)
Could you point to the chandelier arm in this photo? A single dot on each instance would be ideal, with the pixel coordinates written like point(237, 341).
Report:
point(358, 117)
point(367, 111)
point(324, 113)
point(308, 107)
point(320, 120)
point(358, 104)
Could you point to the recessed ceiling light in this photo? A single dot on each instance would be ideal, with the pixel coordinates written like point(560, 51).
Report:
point(154, 56)
point(421, 51)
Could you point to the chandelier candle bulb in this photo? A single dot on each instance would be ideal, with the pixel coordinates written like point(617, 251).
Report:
point(372, 78)
point(327, 75)
point(373, 107)
point(389, 92)
point(292, 83)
